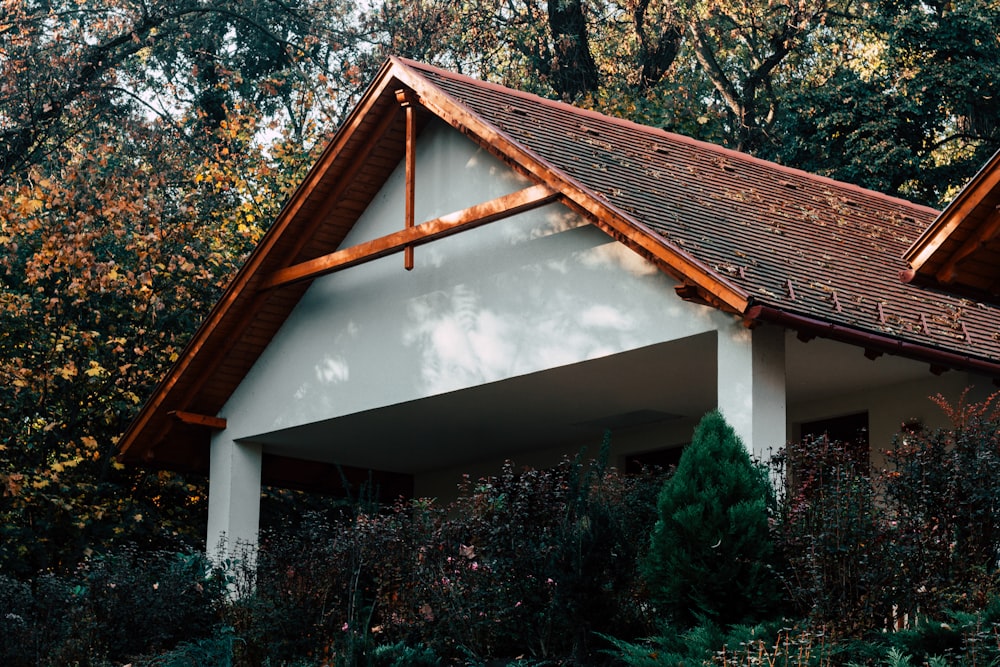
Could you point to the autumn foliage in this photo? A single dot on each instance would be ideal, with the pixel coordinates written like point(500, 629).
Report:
point(119, 225)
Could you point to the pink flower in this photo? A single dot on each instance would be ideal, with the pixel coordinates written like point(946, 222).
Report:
point(346, 627)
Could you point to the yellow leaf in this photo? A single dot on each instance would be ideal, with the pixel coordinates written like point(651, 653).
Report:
point(29, 206)
point(95, 369)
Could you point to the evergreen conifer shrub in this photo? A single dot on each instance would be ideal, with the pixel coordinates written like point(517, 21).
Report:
point(710, 549)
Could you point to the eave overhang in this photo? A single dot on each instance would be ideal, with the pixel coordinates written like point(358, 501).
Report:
point(873, 344)
point(959, 251)
point(314, 220)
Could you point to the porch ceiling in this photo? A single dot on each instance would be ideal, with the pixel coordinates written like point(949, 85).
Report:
point(567, 405)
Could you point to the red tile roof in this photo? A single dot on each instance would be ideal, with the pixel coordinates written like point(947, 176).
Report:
point(792, 241)
point(751, 237)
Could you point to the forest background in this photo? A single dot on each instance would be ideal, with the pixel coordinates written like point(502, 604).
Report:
point(145, 146)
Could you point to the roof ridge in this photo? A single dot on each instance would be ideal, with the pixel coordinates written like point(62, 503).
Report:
point(672, 136)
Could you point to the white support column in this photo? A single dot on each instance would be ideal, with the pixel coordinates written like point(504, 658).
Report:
point(751, 386)
point(233, 498)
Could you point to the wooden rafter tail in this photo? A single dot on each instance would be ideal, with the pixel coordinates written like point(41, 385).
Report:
point(194, 419)
point(480, 214)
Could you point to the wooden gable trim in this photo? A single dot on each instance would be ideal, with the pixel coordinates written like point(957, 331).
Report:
point(597, 210)
point(475, 216)
point(983, 235)
point(305, 234)
point(249, 272)
point(924, 248)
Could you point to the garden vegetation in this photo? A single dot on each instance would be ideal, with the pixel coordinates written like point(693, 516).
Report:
point(579, 564)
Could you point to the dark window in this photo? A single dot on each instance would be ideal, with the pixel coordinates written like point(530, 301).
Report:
point(660, 458)
point(829, 449)
point(848, 429)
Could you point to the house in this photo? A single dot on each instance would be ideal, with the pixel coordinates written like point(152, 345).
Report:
point(471, 274)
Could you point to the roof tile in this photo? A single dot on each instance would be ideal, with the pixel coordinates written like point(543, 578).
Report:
point(798, 238)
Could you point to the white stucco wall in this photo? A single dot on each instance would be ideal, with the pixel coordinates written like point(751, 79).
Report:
point(890, 406)
point(532, 292)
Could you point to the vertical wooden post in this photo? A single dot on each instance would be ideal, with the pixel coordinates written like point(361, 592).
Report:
point(405, 100)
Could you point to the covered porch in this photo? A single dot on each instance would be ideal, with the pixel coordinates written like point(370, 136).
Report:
point(767, 381)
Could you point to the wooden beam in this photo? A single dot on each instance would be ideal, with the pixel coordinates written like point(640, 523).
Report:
point(193, 419)
point(474, 216)
point(407, 100)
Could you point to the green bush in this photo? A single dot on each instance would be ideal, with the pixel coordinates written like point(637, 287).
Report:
point(401, 655)
point(115, 607)
point(44, 622)
point(147, 602)
point(711, 551)
point(737, 646)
